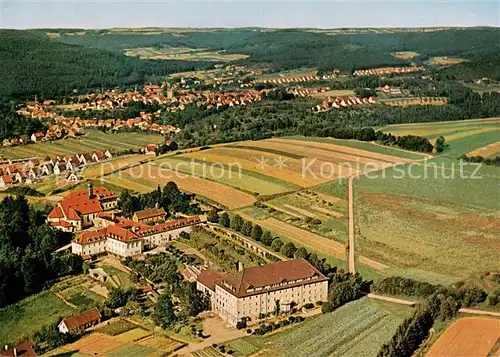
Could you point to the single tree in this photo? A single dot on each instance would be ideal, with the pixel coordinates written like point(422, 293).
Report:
point(237, 223)
point(247, 228)
point(224, 220)
point(213, 216)
point(163, 314)
point(288, 250)
point(276, 244)
point(267, 238)
point(257, 232)
point(301, 253)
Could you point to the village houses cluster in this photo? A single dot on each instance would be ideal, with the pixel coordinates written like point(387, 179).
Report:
point(31, 170)
point(387, 70)
point(298, 79)
point(330, 103)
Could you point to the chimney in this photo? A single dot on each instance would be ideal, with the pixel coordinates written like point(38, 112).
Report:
point(240, 266)
point(90, 190)
point(15, 352)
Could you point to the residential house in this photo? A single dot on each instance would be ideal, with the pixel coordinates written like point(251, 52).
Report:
point(81, 322)
point(261, 289)
point(6, 181)
point(71, 177)
point(150, 149)
point(37, 136)
point(21, 350)
point(98, 156)
point(47, 169)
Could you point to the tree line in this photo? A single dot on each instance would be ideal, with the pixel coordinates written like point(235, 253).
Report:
point(27, 245)
point(170, 198)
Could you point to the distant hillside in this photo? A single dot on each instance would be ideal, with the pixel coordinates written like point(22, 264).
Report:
point(35, 64)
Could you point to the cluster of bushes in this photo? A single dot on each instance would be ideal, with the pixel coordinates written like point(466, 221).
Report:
point(264, 329)
point(24, 191)
point(465, 295)
point(344, 288)
point(222, 349)
point(481, 160)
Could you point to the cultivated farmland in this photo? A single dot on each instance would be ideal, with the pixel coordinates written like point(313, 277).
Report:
point(433, 225)
point(486, 151)
point(356, 329)
point(470, 336)
point(463, 136)
point(90, 142)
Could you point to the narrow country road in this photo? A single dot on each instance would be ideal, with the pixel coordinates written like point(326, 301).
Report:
point(352, 266)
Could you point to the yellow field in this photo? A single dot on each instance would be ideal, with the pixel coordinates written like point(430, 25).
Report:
point(334, 93)
point(470, 133)
point(486, 151)
point(447, 60)
point(405, 54)
point(133, 335)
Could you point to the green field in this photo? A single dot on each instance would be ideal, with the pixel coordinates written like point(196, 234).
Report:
point(462, 136)
point(357, 329)
point(29, 315)
point(439, 229)
point(92, 141)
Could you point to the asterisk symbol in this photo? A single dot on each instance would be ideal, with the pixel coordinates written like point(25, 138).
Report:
point(280, 162)
point(262, 162)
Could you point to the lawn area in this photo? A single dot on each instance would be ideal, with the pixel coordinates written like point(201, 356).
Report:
point(357, 329)
point(437, 229)
point(27, 316)
point(117, 277)
point(92, 141)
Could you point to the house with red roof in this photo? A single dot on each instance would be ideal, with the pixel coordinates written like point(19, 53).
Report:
point(260, 289)
point(81, 322)
point(21, 350)
point(79, 209)
point(6, 181)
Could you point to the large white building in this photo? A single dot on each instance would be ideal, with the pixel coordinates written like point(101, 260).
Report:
point(263, 289)
point(123, 237)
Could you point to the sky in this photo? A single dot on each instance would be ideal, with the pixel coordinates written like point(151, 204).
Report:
point(21, 14)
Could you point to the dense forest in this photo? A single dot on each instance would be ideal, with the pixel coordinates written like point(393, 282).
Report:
point(27, 261)
point(34, 64)
point(13, 124)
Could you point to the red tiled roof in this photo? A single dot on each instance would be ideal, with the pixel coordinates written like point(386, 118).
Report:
point(77, 321)
point(7, 178)
point(271, 274)
point(60, 224)
point(209, 278)
point(150, 213)
point(91, 236)
point(56, 213)
point(22, 350)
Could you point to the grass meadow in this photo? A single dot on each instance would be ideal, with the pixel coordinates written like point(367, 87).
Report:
point(20, 320)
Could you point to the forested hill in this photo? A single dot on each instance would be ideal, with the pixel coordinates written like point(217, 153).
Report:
point(34, 64)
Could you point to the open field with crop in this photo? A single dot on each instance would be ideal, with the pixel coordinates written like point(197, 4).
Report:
point(230, 175)
point(441, 227)
point(446, 61)
point(334, 93)
point(410, 101)
point(356, 329)
point(468, 336)
point(182, 53)
point(104, 168)
point(148, 177)
point(90, 142)
point(300, 72)
point(462, 136)
point(486, 151)
point(29, 315)
point(405, 54)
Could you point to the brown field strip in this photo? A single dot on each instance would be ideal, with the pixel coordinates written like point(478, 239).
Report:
point(94, 344)
point(249, 160)
point(302, 237)
point(313, 152)
point(351, 152)
point(334, 93)
point(466, 337)
point(225, 195)
point(327, 212)
point(487, 150)
point(301, 211)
